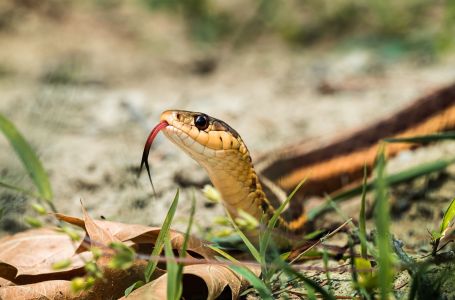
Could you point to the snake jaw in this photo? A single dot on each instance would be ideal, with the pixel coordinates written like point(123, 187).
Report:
point(148, 144)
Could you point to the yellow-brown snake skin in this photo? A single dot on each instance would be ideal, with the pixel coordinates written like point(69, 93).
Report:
point(220, 150)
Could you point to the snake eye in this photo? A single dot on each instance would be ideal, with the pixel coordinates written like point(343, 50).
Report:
point(201, 122)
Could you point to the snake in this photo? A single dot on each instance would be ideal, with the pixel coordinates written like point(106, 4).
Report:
point(220, 150)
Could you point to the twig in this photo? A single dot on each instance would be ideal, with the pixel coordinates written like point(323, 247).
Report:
point(324, 238)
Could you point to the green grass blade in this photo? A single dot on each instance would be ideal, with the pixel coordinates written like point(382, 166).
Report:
point(393, 179)
point(399, 177)
point(188, 228)
point(224, 254)
point(266, 235)
point(28, 157)
point(449, 135)
point(313, 284)
point(182, 251)
point(283, 205)
point(256, 282)
point(354, 274)
point(325, 260)
point(382, 222)
point(264, 251)
point(132, 287)
point(362, 216)
point(173, 284)
point(448, 216)
point(245, 240)
point(151, 266)
point(310, 292)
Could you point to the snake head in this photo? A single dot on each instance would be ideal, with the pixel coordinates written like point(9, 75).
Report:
point(216, 147)
point(200, 135)
point(220, 151)
point(196, 133)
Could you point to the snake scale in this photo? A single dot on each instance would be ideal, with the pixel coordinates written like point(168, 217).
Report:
point(220, 150)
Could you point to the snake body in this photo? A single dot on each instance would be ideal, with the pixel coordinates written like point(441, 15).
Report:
point(341, 160)
point(220, 150)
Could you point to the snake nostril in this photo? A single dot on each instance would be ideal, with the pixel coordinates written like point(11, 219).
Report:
point(177, 116)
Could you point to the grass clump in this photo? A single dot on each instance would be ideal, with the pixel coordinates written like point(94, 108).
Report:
point(275, 273)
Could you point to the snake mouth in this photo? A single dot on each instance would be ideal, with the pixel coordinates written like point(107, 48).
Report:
point(187, 142)
point(174, 131)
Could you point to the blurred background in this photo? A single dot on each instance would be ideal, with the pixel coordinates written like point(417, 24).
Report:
point(85, 81)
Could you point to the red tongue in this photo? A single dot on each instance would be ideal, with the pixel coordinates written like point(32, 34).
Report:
point(148, 144)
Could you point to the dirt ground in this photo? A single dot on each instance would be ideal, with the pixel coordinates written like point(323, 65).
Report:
point(86, 92)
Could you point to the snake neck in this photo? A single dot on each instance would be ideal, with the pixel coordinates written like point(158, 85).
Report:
point(233, 175)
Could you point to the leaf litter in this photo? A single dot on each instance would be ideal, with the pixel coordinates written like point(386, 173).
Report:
point(27, 260)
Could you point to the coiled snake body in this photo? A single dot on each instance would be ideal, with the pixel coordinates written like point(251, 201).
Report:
point(220, 150)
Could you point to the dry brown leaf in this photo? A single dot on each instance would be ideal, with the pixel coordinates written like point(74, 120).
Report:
point(32, 253)
point(47, 283)
point(98, 234)
point(54, 289)
point(141, 234)
point(27, 258)
point(204, 281)
point(111, 286)
point(71, 220)
point(116, 281)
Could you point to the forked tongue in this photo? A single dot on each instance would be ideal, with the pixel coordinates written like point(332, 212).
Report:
point(148, 144)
